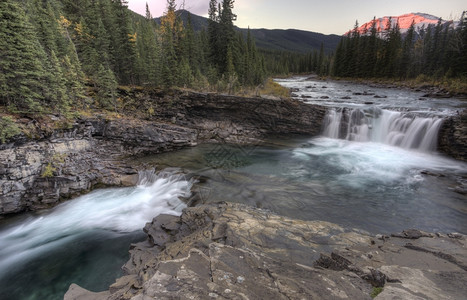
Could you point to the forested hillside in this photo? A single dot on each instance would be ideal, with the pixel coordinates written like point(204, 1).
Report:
point(437, 50)
point(59, 54)
point(291, 40)
point(437, 53)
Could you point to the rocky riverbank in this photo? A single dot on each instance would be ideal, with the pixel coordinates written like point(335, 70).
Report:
point(232, 251)
point(39, 171)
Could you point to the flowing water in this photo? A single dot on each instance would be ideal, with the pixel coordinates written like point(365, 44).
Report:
point(374, 168)
point(84, 241)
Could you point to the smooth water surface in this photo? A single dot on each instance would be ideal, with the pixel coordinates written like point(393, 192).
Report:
point(370, 186)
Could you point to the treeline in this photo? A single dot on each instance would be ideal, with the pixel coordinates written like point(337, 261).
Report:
point(285, 63)
point(59, 54)
point(436, 51)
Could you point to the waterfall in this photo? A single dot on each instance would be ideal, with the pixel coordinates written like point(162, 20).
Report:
point(117, 210)
point(393, 128)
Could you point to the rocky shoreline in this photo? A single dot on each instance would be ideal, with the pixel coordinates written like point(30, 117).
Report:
point(232, 251)
point(38, 173)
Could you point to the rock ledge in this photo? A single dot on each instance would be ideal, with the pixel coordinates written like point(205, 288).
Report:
point(232, 251)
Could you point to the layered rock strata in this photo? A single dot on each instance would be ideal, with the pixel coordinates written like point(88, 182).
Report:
point(39, 172)
point(232, 251)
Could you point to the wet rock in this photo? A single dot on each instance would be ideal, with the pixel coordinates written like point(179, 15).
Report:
point(429, 173)
point(411, 234)
point(365, 93)
point(380, 97)
point(346, 97)
point(76, 292)
point(333, 262)
point(376, 278)
point(437, 95)
point(452, 139)
point(324, 97)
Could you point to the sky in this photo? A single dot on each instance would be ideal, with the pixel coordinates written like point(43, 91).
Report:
point(323, 16)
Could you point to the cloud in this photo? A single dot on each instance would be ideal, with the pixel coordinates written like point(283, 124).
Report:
point(199, 7)
point(158, 7)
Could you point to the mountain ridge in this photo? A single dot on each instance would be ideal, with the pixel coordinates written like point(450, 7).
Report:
point(421, 21)
point(292, 40)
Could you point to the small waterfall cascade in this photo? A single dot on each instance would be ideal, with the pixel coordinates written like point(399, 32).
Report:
point(394, 128)
point(121, 210)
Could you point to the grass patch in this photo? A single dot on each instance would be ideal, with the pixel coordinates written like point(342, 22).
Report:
point(272, 88)
point(376, 291)
point(454, 86)
point(269, 88)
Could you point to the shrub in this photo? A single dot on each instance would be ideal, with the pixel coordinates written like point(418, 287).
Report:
point(8, 129)
point(273, 88)
point(376, 291)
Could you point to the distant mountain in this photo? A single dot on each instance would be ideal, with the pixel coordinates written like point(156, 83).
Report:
point(292, 40)
point(420, 20)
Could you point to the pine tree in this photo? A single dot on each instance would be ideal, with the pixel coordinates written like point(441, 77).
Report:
point(170, 31)
point(58, 96)
point(106, 84)
point(22, 58)
point(371, 51)
point(458, 48)
point(407, 52)
point(227, 34)
point(148, 52)
point(125, 47)
point(214, 56)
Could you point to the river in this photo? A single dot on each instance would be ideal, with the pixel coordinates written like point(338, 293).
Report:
point(374, 168)
point(86, 240)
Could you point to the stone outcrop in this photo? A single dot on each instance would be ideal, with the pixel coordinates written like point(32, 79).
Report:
point(38, 172)
point(231, 251)
point(453, 136)
point(234, 119)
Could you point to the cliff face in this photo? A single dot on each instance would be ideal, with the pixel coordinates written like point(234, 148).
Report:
point(453, 137)
point(38, 173)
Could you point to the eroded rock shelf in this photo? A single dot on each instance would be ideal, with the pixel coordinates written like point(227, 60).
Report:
point(232, 251)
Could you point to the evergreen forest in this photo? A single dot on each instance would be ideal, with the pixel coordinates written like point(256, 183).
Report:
point(59, 55)
point(435, 53)
point(62, 54)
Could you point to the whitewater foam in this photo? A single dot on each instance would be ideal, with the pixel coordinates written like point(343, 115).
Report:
point(116, 209)
point(383, 126)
